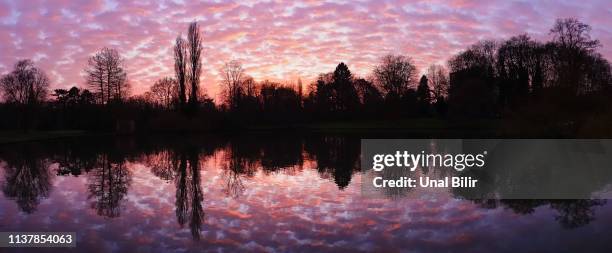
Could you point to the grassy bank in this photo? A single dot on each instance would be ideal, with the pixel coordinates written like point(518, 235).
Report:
point(424, 127)
point(7, 137)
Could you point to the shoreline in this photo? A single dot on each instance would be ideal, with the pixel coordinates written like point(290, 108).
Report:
point(18, 136)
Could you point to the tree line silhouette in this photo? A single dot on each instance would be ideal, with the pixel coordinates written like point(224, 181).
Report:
point(559, 86)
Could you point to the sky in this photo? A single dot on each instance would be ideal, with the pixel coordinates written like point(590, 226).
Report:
point(275, 40)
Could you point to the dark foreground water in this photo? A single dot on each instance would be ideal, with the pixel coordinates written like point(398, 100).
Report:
point(262, 193)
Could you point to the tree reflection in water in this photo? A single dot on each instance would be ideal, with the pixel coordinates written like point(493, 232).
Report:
point(28, 174)
point(189, 194)
point(162, 164)
point(233, 175)
point(108, 185)
point(182, 166)
point(336, 157)
point(27, 177)
point(570, 213)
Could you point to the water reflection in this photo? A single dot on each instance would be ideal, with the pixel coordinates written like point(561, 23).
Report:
point(569, 213)
point(182, 166)
point(519, 169)
point(108, 183)
point(27, 177)
point(189, 192)
point(336, 157)
point(277, 185)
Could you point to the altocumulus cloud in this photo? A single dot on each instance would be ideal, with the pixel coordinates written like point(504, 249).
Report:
point(273, 39)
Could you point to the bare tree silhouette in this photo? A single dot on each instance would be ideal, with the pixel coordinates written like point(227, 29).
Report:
point(438, 80)
point(395, 74)
point(232, 75)
point(164, 91)
point(26, 88)
point(25, 85)
point(106, 74)
point(472, 81)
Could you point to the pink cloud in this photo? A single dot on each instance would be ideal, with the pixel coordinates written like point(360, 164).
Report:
point(274, 40)
point(5, 10)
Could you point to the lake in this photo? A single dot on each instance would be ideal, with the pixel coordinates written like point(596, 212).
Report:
point(262, 193)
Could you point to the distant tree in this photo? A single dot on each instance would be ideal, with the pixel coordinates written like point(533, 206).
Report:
point(180, 69)
point(25, 85)
point(60, 95)
point(145, 99)
point(480, 55)
point(438, 81)
point(423, 92)
point(73, 97)
point(194, 42)
point(164, 91)
point(395, 74)
point(249, 86)
point(106, 75)
point(96, 77)
point(423, 95)
point(116, 75)
point(366, 91)
point(518, 68)
point(571, 51)
point(345, 95)
point(570, 33)
point(300, 88)
point(598, 76)
point(246, 101)
point(342, 74)
point(370, 97)
point(321, 96)
point(472, 90)
point(67, 97)
point(279, 102)
point(232, 75)
point(73, 107)
point(87, 98)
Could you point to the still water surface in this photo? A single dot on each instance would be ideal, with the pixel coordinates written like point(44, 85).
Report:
point(262, 193)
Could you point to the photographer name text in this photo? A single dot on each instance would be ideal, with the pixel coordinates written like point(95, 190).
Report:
point(425, 182)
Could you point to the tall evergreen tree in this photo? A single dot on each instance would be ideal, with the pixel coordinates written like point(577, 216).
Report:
point(194, 43)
